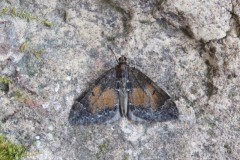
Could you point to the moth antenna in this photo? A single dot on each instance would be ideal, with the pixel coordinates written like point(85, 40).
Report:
point(113, 53)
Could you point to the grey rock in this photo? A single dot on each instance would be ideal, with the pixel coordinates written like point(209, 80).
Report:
point(189, 48)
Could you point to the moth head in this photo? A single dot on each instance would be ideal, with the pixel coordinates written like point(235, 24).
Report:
point(122, 59)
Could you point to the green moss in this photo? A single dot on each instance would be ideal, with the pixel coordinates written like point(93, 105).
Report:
point(14, 12)
point(4, 83)
point(24, 48)
point(11, 151)
point(5, 80)
point(102, 149)
point(145, 21)
point(160, 2)
point(47, 23)
point(24, 15)
point(38, 53)
point(126, 157)
point(20, 96)
point(228, 148)
point(4, 11)
point(163, 1)
point(21, 14)
point(111, 38)
point(212, 124)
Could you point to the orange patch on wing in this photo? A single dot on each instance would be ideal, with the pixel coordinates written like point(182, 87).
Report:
point(102, 100)
point(139, 97)
point(150, 98)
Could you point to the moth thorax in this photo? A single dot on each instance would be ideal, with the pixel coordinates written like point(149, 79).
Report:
point(122, 67)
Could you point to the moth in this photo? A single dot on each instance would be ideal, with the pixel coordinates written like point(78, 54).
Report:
point(123, 91)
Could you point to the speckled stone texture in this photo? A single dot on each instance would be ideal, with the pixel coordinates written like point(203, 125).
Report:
point(189, 48)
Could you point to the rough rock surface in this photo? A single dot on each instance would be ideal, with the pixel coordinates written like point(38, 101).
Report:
point(190, 48)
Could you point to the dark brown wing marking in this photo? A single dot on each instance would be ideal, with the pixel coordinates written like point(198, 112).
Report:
point(147, 101)
point(155, 96)
point(99, 104)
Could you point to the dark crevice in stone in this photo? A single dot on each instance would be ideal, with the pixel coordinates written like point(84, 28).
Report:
point(127, 15)
point(212, 68)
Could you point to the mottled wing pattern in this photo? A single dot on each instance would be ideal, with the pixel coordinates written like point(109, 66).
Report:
point(147, 101)
point(99, 104)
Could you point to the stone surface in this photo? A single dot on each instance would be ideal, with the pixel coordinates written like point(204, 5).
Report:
point(190, 48)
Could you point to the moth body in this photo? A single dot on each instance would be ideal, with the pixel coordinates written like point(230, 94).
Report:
point(123, 91)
